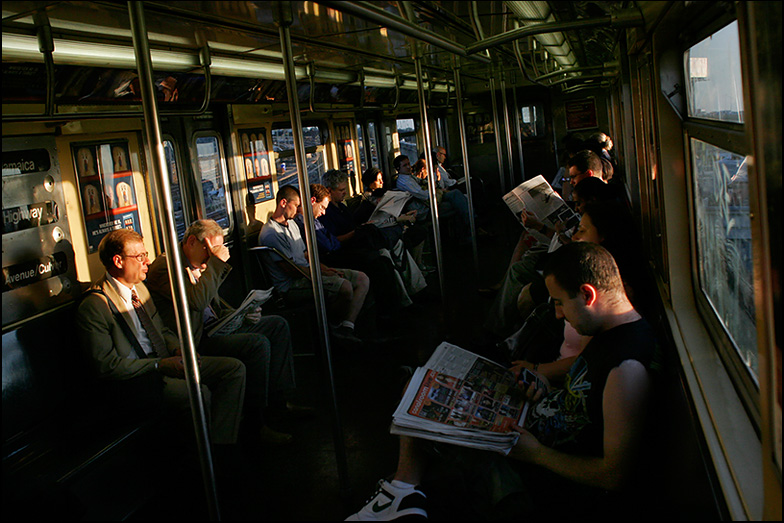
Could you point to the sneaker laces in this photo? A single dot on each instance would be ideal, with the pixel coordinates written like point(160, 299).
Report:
point(379, 488)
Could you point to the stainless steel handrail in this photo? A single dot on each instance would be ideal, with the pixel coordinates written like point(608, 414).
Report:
point(160, 175)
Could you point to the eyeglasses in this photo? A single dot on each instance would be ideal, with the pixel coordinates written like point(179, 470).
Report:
point(140, 257)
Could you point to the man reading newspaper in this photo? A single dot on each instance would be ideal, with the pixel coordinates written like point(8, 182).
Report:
point(262, 343)
point(580, 442)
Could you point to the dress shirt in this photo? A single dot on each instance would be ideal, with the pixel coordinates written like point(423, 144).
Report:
point(125, 294)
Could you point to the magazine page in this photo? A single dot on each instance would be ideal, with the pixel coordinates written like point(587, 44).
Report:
point(537, 197)
point(461, 390)
point(231, 323)
point(391, 204)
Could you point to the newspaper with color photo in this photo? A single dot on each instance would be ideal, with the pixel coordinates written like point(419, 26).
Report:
point(464, 399)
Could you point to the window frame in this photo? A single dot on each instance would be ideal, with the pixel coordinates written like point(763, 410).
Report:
point(735, 138)
point(202, 211)
point(187, 212)
point(324, 135)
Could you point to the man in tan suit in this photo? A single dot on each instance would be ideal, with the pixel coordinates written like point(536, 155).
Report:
point(120, 327)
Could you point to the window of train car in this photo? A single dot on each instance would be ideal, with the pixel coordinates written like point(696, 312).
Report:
point(172, 161)
point(373, 144)
point(531, 121)
point(714, 74)
point(361, 152)
point(210, 166)
point(722, 227)
point(285, 162)
point(368, 149)
point(406, 131)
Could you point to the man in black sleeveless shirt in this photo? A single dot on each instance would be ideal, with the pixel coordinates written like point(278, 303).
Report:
point(589, 431)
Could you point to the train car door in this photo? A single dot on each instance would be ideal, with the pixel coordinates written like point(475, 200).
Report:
point(198, 171)
point(536, 139)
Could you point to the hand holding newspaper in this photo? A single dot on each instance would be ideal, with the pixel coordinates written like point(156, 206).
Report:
point(231, 323)
point(464, 399)
point(537, 197)
point(390, 205)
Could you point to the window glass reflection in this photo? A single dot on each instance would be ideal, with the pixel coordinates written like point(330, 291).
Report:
point(724, 243)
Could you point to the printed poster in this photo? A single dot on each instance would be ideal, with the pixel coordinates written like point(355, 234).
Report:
point(106, 188)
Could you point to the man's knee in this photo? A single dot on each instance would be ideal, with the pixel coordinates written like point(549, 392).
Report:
point(274, 325)
point(346, 291)
point(363, 282)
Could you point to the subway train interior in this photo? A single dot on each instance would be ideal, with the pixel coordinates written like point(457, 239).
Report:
point(150, 115)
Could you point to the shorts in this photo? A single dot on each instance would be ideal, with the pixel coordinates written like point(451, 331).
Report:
point(302, 288)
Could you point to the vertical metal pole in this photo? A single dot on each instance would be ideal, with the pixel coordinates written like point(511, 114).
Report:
point(500, 154)
point(431, 177)
point(162, 186)
point(283, 18)
point(466, 170)
point(518, 133)
point(507, 131)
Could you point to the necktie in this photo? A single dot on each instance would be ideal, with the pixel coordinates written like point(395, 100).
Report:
point(157, 341)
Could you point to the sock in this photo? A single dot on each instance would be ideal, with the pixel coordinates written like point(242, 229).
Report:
point(401, 484)
point(346, 323)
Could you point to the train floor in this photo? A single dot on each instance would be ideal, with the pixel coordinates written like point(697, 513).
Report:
point(302, 481)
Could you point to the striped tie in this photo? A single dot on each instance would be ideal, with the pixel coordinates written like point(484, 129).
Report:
point(158, 343)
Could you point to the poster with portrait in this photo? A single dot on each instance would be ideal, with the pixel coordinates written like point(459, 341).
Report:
point(257, 164)
point(106, 188)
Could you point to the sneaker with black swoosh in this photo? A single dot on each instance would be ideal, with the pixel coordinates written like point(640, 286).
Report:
point(390, 503)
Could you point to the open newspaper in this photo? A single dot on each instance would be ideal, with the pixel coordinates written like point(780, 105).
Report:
point(389, 208)
point(461, 398)
point(231, 323)
point(538, 197)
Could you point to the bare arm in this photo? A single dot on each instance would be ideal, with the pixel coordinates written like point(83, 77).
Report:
point(624, 402)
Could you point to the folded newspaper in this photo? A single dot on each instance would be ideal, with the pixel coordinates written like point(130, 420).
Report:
point(231, 323)
point(462, 398)
point(389, 208)
point(538, 197)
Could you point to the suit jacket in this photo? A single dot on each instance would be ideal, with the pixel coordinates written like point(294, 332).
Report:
point(200, 295)
point(105, 339)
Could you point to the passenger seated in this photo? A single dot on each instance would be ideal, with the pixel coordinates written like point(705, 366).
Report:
point(137, 356)
point(345, 289)
point(363, 244)
point(414, 231)
point(503, 317)
point(579, 441)
point(452, 204)
point(262, 343)
point(609, 225)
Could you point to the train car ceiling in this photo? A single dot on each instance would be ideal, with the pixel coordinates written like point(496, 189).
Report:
point(334, 47)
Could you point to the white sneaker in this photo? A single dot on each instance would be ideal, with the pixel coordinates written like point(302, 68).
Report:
point(390, 503)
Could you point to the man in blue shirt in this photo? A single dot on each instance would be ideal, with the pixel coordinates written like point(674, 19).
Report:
point(345, 289)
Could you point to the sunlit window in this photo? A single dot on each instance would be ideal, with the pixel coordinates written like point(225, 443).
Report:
point(713, 71)
point(406, 130)
point(213, 185)
point(176, 191)
point(285, 161)
point(724, 249)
